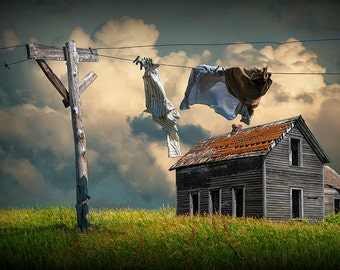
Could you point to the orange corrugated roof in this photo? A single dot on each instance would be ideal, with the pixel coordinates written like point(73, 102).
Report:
point(247, 142)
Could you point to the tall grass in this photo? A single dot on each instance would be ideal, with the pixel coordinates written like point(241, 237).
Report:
point(140, 239)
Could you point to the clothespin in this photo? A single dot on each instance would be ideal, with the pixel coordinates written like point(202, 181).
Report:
point(145, 62)
point(266, 74)
point(216, 68)
point(7, 65)
point(138, 60)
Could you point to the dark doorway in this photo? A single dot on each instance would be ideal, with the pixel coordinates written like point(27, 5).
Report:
point(215, 201)
point(296, 203)
point(194, 203)
point(238, 202)
point(336, 205)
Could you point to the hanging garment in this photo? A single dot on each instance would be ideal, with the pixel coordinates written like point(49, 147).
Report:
point(248, 85)
point(209, 85)
point(159, 106)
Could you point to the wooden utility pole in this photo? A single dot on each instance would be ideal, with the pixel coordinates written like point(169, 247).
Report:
point(71, 98)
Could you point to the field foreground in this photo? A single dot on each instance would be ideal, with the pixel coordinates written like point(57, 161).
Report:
point(157, 239)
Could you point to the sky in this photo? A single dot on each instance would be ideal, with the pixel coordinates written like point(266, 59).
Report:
point(127, 153)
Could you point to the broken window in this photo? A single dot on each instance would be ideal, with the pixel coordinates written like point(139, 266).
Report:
point(295, 152)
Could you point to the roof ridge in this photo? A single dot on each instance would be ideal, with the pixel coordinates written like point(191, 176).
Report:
point(254, 127)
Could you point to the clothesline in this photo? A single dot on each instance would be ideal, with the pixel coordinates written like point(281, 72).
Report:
point(191, 67)
point(7, 65)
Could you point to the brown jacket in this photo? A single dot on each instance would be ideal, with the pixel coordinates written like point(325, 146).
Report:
point(248, 85)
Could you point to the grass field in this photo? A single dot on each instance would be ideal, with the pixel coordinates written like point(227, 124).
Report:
point(47, 238)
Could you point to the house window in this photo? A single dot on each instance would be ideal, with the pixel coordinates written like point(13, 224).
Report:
point(336, 206)
point(296, 202)
point(238, 201)
point(194, 202)
point(295, 152)
point(215, 201)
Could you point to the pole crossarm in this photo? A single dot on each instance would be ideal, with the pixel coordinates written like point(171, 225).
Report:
point(40, 53)
point(43, 52)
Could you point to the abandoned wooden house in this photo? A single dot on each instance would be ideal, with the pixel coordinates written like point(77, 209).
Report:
point(273, 171)
point(332, 191)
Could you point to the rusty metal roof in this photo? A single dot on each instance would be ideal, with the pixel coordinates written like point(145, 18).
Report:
point(252, 141)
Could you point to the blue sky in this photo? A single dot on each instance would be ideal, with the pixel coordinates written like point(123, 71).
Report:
point(128, 163)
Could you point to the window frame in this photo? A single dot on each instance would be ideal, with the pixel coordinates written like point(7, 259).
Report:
point(336, 205)
point(301, 203)
point(191, 202)
point(234, 200)
point(299, 152)
point(210, 203)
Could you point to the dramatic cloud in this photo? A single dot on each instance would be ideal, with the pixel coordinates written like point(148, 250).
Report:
point(128, 163)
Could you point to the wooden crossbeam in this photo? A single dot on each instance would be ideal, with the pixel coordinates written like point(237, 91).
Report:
point(55, 81)
point(43, 52)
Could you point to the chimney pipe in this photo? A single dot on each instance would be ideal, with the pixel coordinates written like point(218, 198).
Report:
point(235, 128)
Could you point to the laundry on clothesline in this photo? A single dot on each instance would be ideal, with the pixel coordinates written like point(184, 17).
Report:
point(159, 106)
point(229, 91)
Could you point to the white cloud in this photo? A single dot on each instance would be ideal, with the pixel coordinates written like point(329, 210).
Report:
point(10, 38)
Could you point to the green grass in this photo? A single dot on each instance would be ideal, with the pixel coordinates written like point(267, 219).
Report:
point(146, 239)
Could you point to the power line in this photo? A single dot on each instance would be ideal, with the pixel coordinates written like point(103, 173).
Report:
point(12, 47)
point(7, 65)
point(216, 44)
point(194, 44)
point(306, 73)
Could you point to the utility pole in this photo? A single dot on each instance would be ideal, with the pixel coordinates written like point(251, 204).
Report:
point(71, 98)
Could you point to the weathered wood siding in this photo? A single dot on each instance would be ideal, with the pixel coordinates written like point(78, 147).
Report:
point(280, 177)
point(224, 175)
point(329, 195)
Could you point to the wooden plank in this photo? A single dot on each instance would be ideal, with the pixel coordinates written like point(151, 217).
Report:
point(55, 81)
point(85, 83)
point(43, 52)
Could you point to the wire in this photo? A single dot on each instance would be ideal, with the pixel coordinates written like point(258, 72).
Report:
point(193, 44)
point(306, 73)
point(7, 65)
point(115, 57)
point(216, 44)
point(131, 60)
point(274, 73)
point(12, 47)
